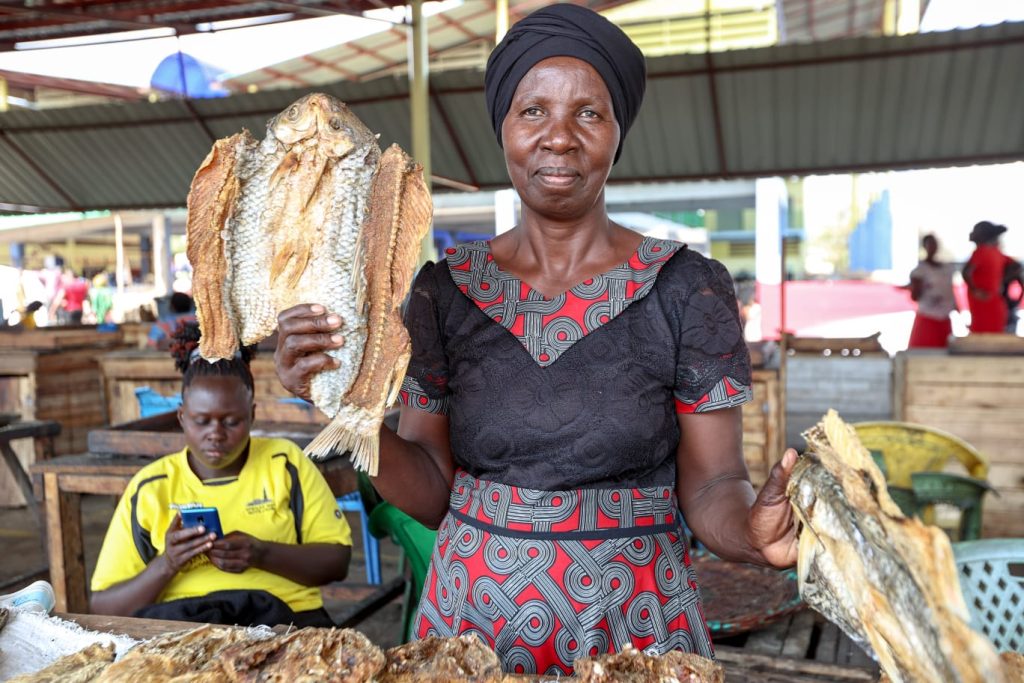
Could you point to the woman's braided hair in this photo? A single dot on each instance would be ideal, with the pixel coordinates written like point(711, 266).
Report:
point(184, 343)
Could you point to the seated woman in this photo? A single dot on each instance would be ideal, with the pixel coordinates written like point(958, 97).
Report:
point(283, 532)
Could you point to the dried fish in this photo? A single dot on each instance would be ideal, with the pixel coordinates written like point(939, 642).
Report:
point(455, 660)
point(81, 667)
point(887, 581)
point(633, 666)
point(313, 213)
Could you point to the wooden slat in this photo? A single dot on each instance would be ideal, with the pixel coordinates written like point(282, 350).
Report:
point(957, 396)
point(828, 641)
point(67, 563)
point(734, 658)
point(769, 640)
point(943, 369)
point(96, 485)
point(798, 638)
point(59, 338)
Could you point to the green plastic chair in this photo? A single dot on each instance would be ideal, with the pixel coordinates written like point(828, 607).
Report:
point(965, 493)
point(912, 457)
point(417, 543)
point(992, 581)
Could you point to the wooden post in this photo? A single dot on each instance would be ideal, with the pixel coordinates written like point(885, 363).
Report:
point(161, 255)
point(419, 105)
point(64, 536)
point(119, 253)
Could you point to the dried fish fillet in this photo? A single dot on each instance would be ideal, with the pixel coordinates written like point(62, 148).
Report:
point(633, 666)
point(455, 660)
point(313, 213)
point(888, 581)
point(81, 667)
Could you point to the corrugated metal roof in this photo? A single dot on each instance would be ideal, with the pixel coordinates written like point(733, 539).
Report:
point(863, 104)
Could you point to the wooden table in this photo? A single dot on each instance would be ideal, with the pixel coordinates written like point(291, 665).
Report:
point(739, 664)
point(66, 478)
point(42, 433)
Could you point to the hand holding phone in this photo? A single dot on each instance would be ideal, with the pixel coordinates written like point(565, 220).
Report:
point(204, 517)
point(182, 544)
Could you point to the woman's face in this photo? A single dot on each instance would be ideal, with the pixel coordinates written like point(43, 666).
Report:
point(560, 137)
point(216, 415)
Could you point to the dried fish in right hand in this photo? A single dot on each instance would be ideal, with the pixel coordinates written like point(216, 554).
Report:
point(889, 582)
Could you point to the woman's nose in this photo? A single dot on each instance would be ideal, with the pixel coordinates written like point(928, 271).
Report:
point(559, 136)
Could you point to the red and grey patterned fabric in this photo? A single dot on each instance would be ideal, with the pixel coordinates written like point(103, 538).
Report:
point(580, 390)
point(546, 577)
point(547, 327)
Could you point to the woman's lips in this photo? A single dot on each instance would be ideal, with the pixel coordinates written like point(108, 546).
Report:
point(558, 175)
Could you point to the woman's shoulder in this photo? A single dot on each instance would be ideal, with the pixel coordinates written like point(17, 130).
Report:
point(162, 468)
point(266, 448)
point(689, 270)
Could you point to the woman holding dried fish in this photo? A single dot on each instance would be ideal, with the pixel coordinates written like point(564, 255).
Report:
point(573, 384)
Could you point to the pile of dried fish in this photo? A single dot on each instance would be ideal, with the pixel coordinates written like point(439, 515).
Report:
point(888, 581)
point(312, 214)
point(633, 666)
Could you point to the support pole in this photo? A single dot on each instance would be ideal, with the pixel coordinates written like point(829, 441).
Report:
point(419, 105)
point(500, 20)
point(3, 94)
point(161, 255)
point(119, 253)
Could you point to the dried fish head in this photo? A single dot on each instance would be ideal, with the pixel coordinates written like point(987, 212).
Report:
point(329, 123)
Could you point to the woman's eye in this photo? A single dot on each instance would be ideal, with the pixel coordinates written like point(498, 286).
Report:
point(201, 421)
point(533, 111)
point(589, 114)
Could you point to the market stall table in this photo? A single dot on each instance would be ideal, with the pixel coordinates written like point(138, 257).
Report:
point(739, 664)
point(42, 433)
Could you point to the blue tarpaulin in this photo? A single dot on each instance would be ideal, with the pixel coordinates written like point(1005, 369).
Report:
point(184, 74)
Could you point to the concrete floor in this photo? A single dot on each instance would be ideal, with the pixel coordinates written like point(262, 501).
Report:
point(23, 560)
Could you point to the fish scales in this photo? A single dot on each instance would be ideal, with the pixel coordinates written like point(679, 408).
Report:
point(286, 221)
point(887, 581)
point(399, 212)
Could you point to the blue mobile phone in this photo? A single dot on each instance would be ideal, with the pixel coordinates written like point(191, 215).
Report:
point(206, 517)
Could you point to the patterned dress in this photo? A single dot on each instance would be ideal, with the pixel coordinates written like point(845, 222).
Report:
point(564, 537)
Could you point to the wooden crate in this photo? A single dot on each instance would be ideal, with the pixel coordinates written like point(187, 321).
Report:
point(761, 421)
point(124, 371)
point(54, 383)
point(859, 387)
point(979, 399)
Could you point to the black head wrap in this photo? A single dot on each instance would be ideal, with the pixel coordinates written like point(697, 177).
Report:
point(567, 31)
point(986, 231)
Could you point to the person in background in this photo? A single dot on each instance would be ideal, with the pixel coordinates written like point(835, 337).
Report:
point(25, 317)
point(181, 311)
point(984, 276)
point(1013, 293)
point(101, 298)
point(931, 286)
point(284, 534)
point(70, 300)
point(573, 386)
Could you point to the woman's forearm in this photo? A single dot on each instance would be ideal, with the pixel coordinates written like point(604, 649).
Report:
point(125, 598)
point(719, 517)
point(414, 478)
point(313, 564)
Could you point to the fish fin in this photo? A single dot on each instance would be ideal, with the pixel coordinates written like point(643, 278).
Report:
point(413, 215)
point(211, 200)
point(352, 430)
point(290, 161)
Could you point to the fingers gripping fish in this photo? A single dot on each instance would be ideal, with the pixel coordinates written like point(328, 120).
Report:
point(313, 213)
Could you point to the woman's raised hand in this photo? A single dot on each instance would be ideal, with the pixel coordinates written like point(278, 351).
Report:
point(772, 528)
point(304, 333)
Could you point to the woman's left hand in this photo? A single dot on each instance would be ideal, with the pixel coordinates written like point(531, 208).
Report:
point(771, 529)
point(237, 552)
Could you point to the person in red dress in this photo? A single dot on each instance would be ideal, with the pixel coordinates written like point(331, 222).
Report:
point(984, 274)
point(574, 386)
point(931, 286)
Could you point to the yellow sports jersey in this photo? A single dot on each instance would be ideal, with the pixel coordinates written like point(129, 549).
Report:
point(278, 496)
